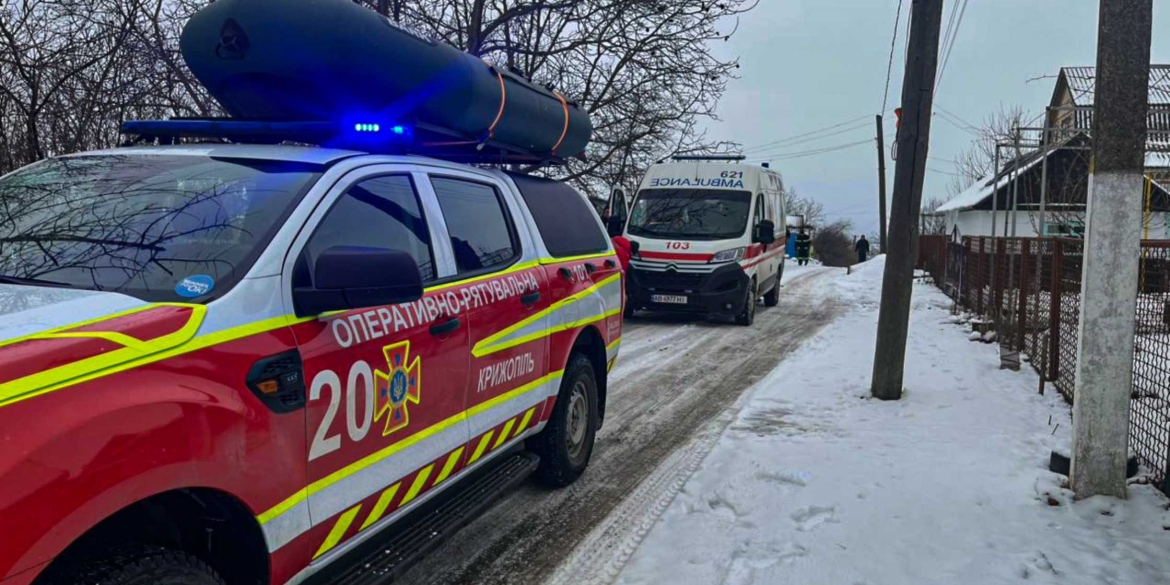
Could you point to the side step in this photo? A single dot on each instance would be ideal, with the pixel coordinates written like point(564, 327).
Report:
point(382, 560)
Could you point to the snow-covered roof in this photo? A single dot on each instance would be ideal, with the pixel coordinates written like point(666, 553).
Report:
point(983, 188)
point(1082, 83)
point(1158, 159)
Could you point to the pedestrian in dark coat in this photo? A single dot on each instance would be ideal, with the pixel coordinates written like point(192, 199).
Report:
point(803, 247)
point(862, 247)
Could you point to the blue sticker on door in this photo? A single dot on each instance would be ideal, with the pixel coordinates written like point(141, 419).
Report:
point(195, 286)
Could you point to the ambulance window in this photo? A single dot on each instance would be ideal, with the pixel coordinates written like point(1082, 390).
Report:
point(759, 208)
point(481, 235)
point(382, 212)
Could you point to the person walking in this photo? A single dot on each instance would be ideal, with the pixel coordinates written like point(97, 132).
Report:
point(862, 247)
point(803, 247)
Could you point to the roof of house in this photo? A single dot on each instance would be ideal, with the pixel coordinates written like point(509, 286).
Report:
point(1082, 83)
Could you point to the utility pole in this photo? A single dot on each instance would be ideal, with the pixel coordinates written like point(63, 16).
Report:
point(909, 173)
point(1104, 371)
point(881, 146)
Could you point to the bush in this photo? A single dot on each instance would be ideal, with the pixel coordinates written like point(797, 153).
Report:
point(833, 245)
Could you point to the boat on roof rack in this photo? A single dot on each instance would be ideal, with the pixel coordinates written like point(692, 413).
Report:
point(334, 73)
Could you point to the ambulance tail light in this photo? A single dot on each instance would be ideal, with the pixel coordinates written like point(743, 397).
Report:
point(733, 255)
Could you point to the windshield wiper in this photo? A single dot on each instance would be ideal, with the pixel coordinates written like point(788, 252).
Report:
point(5, 279)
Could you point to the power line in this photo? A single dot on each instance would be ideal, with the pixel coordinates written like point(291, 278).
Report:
point(890, 65)
point(956, 117)
point(782, 141)
point(788, 143)
point(806, 153)
point(954, 36)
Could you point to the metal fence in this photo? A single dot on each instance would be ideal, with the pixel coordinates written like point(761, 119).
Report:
point(1029, 290)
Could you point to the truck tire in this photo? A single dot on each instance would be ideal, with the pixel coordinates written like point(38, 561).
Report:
point(772, 297)
point(565, 445)
point(748, 315)
point(136, 565)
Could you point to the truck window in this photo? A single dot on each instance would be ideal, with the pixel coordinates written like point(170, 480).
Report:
point(142, 225)
point(382, 212)
point(562, 217)
point(481, 235)
point(695, 214)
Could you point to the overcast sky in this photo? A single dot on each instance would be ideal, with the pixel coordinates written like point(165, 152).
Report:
point(810, 64)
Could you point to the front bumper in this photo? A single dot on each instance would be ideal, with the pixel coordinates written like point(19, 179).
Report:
point(721, 292)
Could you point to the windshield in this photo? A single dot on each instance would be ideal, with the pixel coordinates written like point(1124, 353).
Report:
point(160, 228)
point(696, 214)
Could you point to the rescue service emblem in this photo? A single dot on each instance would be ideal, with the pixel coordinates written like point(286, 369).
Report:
point(397, 388)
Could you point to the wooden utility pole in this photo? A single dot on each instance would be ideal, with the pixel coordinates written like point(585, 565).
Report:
point(1104, 371)
point(909, 173)
point(881, 146)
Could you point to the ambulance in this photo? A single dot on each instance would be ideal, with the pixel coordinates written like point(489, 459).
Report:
point(706, 232)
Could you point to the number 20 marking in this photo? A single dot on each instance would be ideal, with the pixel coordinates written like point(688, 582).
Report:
point(361, 375)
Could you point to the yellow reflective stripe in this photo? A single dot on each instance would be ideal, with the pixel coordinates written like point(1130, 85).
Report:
point(613, 344)
point(419, 481)
point(449, 466)
point(504, 433)
point(483, 443)
point(612, 363)
point(323, 483)
point(338, 530)
point(283, 507)
point(104, 364)
point(97, 320)
point(492, 343)
point(380, 506)
point(547, 261)
point(119, 338)
point(524, 423)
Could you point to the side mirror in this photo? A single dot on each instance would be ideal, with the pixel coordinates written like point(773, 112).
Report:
point(615, 225)
point(767, 232)
point(354, 277)
point(634, 247)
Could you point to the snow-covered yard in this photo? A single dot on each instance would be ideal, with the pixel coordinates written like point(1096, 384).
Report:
point(815, 483)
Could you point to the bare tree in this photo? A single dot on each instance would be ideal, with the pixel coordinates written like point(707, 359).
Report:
point(833, 245)
point(978, 160)
point(812, 210)
point(932, 223)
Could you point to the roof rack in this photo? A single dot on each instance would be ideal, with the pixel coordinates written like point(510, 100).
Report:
point(720, 157)
point(374, 136)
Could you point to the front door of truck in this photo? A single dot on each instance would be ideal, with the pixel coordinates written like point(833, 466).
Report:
point(386, 384)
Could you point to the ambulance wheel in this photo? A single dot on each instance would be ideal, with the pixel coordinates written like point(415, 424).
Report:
point(136, 565)
point(748, 315)
point(565, 445)
point(628, 312)
point(772, 297)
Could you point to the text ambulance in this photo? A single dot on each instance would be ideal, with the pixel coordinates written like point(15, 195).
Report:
point(706, 229)
point(237, 363)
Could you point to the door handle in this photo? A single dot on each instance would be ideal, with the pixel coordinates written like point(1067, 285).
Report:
point(590, 267)
point(530, 298)
point(445, 327)
point(610, 264)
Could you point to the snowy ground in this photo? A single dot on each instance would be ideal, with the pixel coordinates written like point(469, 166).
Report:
point(812, 482)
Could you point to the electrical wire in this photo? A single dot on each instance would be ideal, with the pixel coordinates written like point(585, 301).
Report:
point(890, 65)
point(783, 141)
point(807, 153)
point(786, 144)
point(951, 47)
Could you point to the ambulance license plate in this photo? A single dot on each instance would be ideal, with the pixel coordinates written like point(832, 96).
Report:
point(669, 299)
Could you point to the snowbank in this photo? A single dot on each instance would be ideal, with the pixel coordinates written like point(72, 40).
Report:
point(814, 482)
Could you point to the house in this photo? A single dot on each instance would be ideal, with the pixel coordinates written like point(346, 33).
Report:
point(1065, 163)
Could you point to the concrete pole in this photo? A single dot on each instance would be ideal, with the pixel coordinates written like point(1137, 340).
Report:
point(1104, 371)
point(909, 173)
point(881, 151)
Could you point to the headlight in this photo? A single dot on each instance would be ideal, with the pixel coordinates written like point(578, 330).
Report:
point(733, 255)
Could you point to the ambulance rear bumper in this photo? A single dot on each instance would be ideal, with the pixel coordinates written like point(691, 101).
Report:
point(721, 292)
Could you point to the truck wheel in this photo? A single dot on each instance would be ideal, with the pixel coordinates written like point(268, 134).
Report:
point(137, 565)
point(565, 445)
point(772, 297)
point(748, 315)
point(628, 312)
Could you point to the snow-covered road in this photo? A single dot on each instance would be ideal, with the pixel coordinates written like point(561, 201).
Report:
point(669, 395)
